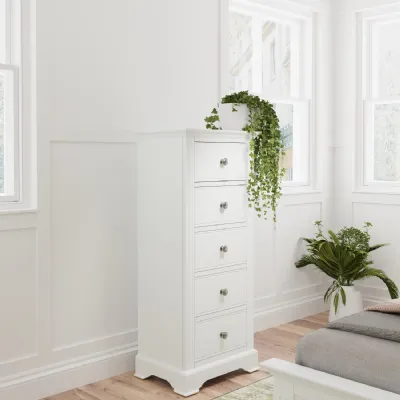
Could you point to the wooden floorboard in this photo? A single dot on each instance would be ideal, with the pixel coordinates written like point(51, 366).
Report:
point(279, 342)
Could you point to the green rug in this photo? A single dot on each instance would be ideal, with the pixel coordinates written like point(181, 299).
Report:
point(261, 390)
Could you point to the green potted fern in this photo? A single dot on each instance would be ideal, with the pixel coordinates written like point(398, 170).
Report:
point(345, 258)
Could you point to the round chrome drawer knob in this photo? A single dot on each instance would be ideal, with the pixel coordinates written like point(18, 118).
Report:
point(223, 335)
point(224, 205)
point(224, 292)
point(224, 162)
point(224, 249)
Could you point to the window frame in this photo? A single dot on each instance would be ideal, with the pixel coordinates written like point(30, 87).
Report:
point(12, 170)
point(272, 49)
point(11, 146)
point(270, 10)
point(368, 99)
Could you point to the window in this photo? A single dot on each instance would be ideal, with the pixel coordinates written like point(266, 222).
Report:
point(9, 103)
point(240, 46)
point(272, 58)
point(381, 97)
point(270, 54)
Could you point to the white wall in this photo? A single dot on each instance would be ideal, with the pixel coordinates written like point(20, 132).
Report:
point(68, 274)
point(282, 292)
point(355, 205)
point(106, 69)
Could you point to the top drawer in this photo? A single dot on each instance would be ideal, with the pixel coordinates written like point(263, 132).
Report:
point(220, 161)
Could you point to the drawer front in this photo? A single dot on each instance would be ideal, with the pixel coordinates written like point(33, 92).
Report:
point(216, 292)
point(215, 249)
point(220, 161)
point(208, 335)
point(220, 205)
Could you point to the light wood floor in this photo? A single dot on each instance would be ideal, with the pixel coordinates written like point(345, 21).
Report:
point(277, 342)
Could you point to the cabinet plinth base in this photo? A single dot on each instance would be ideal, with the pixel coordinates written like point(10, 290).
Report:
point(189, 382)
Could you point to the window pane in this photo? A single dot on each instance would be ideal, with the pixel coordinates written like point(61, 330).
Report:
point(262, 56)
point(269, 41)
point(286, 61)
point(285, 115)
point(1, 134)
point(240, 52)
point(387, 142)
point(276, 60)
point(3, 32)
point(7, 120)
point(389, 59)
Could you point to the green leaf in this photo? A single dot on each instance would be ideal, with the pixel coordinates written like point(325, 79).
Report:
point(343, 296)
point(330, 291)
point(376, 247)
point(336, 302)
point(369, 272)
point(334, 237)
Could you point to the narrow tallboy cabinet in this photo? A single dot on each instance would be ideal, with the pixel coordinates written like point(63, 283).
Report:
point(195, 273)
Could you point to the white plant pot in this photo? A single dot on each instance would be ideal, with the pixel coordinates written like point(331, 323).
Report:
point(353, 305)
point(233, 121)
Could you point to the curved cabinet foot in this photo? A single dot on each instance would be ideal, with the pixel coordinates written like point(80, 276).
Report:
point(251, 364)
point(250, 370)
point(142, 369)
point(185, 391)
point(189, 382)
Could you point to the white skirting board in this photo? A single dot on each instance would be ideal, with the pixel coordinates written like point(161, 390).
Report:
point(58, 378)
point(288, 312)
point(39, 383)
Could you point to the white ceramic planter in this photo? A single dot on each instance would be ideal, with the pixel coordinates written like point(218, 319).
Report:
point(233, 121)
point(353, 305)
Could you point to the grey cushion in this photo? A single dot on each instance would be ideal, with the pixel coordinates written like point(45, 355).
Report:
point(364, 359)
point(375, 324)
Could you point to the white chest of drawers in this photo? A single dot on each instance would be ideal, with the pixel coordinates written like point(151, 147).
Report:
point(195, 275)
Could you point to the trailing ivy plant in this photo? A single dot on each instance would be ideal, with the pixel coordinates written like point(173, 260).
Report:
point(266, 150)
point(212, 119)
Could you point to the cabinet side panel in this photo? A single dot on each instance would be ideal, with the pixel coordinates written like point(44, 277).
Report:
point(160, 249)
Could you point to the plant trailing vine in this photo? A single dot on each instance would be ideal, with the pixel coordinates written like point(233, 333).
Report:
point(266, 150)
